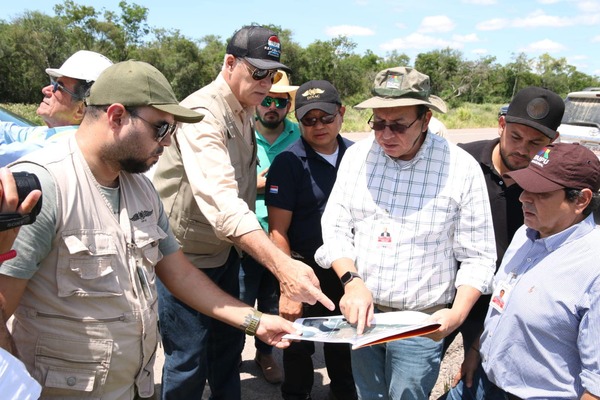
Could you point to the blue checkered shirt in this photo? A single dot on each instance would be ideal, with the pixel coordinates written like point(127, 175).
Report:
point(436, 211)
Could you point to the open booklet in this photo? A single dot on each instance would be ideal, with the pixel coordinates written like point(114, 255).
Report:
point(384, 328)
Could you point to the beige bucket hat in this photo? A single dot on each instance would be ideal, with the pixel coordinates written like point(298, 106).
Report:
point(282, 85)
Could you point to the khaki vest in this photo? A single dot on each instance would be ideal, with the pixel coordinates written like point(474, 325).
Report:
point(192, 229)
point(86, 326)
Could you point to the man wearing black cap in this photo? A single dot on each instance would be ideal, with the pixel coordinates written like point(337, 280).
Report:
point(81, 284)
point(542, 341)
point(207, 182)
point(530, 124)
point(298, 186)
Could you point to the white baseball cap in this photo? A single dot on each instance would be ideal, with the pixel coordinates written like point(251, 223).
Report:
point(84, 65)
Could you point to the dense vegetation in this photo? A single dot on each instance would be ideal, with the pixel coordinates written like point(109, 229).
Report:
point(33, 41)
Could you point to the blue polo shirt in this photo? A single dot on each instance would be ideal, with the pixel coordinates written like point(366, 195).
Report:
point(300, 181)
point(266, 152)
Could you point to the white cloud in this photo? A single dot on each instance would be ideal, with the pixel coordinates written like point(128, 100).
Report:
point(479, 51)
point(471, 38)
point(419, 42)
point(548, 1)
point(480, 2)
point(348, 30)
point(437, 23)
point(543, 46)
point(596, 39)
point(538, 19)
point(589, 6)
point(493, 24)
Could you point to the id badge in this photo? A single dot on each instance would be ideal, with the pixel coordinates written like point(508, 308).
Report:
point(500, 296)
point(385, 237)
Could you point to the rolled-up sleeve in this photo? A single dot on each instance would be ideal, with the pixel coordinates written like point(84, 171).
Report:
point(474, 245)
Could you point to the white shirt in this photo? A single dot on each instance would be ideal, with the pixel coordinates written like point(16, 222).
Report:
point(436, 211)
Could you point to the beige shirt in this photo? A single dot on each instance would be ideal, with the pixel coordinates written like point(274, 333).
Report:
point(207, 178)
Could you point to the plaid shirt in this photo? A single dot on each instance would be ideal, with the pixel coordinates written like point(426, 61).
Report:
point(407, 224)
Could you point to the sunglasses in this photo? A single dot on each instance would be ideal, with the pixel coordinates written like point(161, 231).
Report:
point(162, 131)
point(259, 74)
point(394, 126)
point(57, 85)
point(312, 121)
point(280, 102)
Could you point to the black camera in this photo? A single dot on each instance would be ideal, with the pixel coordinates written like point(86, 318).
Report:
point(26, 183)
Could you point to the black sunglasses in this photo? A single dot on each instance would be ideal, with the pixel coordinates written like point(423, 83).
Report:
point(57, 85)
point(259, 74)
point(312, 121)
point(280, 102)
point(162, 131)
point(394, 126)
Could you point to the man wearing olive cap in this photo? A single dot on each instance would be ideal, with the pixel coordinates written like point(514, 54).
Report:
point(429, 196)
point(82, 286)
point(542, 342)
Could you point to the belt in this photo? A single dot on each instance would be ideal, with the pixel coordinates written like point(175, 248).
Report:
point(429, 310)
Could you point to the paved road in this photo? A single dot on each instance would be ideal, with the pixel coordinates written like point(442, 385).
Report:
point(254, 387)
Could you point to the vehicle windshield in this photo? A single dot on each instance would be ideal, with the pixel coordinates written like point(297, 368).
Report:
point(582, 111)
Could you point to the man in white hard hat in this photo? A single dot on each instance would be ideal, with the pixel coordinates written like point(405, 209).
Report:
point(62, 107)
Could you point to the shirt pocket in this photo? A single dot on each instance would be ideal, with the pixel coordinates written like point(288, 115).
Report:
point(87, 266)
point(68, 366)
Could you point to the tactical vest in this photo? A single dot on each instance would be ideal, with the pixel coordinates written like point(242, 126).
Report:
point(86, 326)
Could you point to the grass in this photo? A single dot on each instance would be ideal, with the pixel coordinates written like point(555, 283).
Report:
point(467, 115)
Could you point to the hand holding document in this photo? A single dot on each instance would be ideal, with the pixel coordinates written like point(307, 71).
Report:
point(385, 328)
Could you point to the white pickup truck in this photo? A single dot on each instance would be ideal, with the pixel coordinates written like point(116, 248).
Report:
point(581, 122)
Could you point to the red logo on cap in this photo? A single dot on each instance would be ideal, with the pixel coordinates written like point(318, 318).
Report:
point(273, 47)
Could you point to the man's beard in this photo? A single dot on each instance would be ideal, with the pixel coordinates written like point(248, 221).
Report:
point(270, 124)
point(134, 166)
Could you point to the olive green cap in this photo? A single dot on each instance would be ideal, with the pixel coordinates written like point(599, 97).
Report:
point(401, 87)
point(137, 84)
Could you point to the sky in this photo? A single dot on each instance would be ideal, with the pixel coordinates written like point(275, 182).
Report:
point(567, 29)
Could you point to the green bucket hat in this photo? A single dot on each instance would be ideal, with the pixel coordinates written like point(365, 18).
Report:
point(137, 84)
point(401, 87)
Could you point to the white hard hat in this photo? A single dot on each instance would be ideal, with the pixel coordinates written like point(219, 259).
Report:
point(84, 65)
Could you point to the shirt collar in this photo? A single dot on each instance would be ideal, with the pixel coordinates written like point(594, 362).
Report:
point(568, 235)
point(234, 104)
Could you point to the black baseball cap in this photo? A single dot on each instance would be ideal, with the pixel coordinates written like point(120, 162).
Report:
point(259, 46)
point(320, 95)
point(538, 108)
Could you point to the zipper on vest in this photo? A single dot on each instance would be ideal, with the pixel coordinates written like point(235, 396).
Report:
point(74, 319)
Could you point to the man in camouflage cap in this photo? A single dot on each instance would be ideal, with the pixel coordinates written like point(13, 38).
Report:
point(417, 206)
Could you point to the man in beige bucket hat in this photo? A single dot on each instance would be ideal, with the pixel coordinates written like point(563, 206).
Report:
point(429, 196)
point(274, 133)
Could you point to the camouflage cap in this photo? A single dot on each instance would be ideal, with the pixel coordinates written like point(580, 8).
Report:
point(401, 87)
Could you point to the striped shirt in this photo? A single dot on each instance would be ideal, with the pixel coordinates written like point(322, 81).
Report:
point(407, 224)
point(546, 343)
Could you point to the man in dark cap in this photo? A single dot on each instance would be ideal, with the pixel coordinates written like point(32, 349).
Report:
point(542, 341)
point(529, 125)
point(82, 287)
point(207, 182)
point(297, 190)
point(430, 197)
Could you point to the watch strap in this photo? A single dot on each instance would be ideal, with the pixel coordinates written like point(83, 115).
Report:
point(251, 322)
point(348, 276)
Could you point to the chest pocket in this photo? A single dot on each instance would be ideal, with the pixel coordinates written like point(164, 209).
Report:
point(87, 265)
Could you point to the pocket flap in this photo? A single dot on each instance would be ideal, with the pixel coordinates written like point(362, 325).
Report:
point(70, 379)
point(92, 243)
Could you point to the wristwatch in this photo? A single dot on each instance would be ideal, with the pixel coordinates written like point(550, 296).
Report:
point(348, 276)
point(251, 322)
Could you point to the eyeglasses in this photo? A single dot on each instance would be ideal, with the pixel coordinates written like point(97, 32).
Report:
point(259, 74)
point(162, 131)
point(394, 126)
point(57, 85)
point(312, 121)
point(280, 102)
